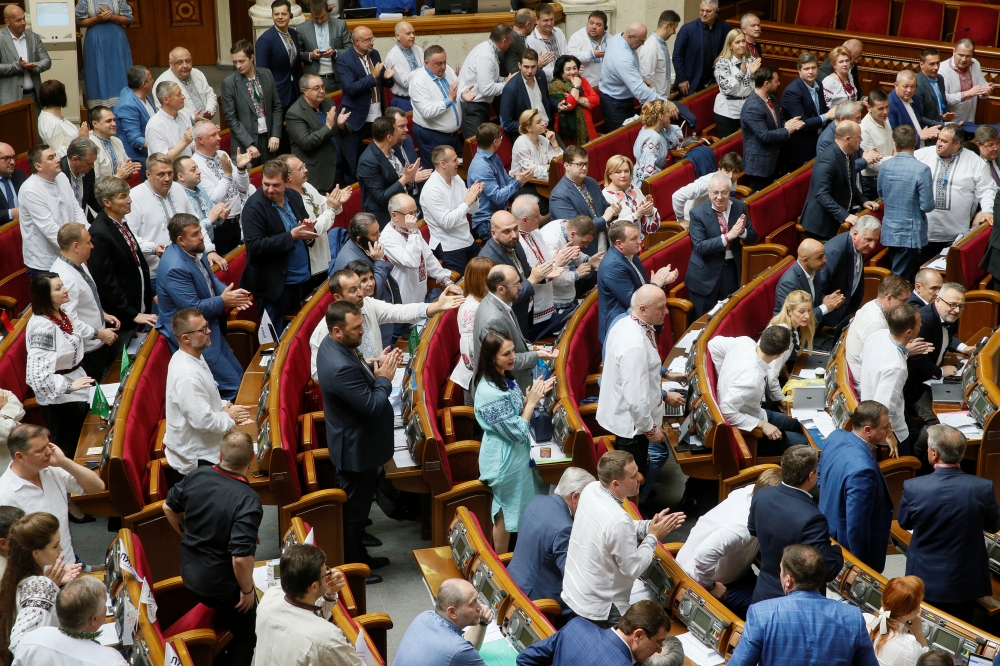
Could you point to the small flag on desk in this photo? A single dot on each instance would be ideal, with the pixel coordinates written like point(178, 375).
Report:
point(265, 332)
point(126, 362)
point(100, 404)
point(414, 341)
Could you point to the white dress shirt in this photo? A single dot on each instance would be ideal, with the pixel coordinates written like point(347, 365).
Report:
point(877, 136)
point(691, 195)
point(52, 497)
point(958, 187)
point(526, 155)
point(432, 108)
point(720, 548)
point(288, 634)
point(964, 108)
point(481, 70)
point(741, 380)
point(564, 286)
point(149, 216)
point(582, 46)
point(82, 303)
point(654, 64)
point(56, 133)
point(446, 212)
point(535, 93)
point(630, 400)
point(221, 188)
point(45, 207)
point(603, 560)
point(883, 373)
point(21, 46)
point(163, 132)
point(412, 262)
point(556, 43)
point(195, 420)
point(11, 415)
point(870, 318)
point(47, 646)
point(404, 75)
point(198, 94)
point(897, 649)
point(104, 166)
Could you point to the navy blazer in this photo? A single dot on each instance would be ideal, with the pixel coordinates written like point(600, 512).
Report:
point(180, 285)
point(357, 85)
point(689, 48)
point(991, 258)
point(797, 101)
point(581, 643)
point(899, 116)
point(17, 180)
point(708, 254)
point(831, 190)
point(800, 521)
point(356, 408)
point(948, 511)
point(131, 116)
point(794, 279)
point(514, 101)
point(123, 292)
point(839, 274)
point(566, 202)
point(542, 541)
point(379, 181)
point(616, 282)
point(523, 306)
point(921, 367)
point(762, 136)
point(855, 498)
point(826, 139)
point(268, 243)
point(272, 55)
point(931, 112)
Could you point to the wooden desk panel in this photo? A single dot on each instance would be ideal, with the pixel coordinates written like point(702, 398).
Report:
point(453, 24)
point(436, 566)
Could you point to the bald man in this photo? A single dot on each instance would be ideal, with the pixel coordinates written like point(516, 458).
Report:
point(324, 38)
point(11, 180)
point(906, 107)
point(926, 286)
point(804, 275)
point(435, 636)
point(362, 78)
point(407, 58)
point(23, 58)
point(199, 98)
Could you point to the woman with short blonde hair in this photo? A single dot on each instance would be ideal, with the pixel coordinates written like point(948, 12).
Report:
point(655, 140)
point(840, 85)
point(620, 188)
point(796, 314)
point(734, 70)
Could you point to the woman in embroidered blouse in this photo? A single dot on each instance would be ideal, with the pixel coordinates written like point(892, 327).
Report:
point(533, 151)
point(797, 315)
point(897, 640)
point(734, 71)
point(655, 140)
point(840, 85)
point(574, 100)
point(475, 291)
point(27, 591)
point(504, 413)
point(620, 188)
point(54, 130)
point(107, 56)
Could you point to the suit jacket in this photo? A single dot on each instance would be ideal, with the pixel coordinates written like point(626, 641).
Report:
point(273, 56)
point(921, 367)
point(825, 140)
point(357, 85)
point(796, 100)
point(948, 511)
point(356, 407)
point(930, 111)
point(125, 290)
point(908, 184)
point(340, 41)
point(237, 107)
point(916, 300)
point(566, 202)
point(542, 541)
point(793, 279)
point(854, 497)
point(379, 181)
point(617, 280)
point(708, 254)
point(762, 137)
point(268, 243)
point(180, 285)
point(580, 642)
point(386, 288)
point(90, 205)
point(839, 274)
point(512, 55)
point(131, 116)
point(806, 629)
point(991, 258)
point(11, 74)
point(17, 180)
point(523, 307)
point(899, 116)
point(514, 101)
point(801, 522)
point(689, 48)
point(312, 142)
point(492, 316)
point(831, 192)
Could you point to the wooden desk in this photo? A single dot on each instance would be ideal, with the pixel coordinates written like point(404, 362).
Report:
point(436, 566)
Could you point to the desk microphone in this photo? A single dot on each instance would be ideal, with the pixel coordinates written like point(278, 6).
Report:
point(956, 32)
point(833, 21)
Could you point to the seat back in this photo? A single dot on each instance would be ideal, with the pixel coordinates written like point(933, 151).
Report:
point(144, 412)
point(237, 261)
point(225, 141)
point(619, 142)
point(442, 355)
point(896, 472)
point(978, 23)
point(816, 14)
point(962, 260)
point(921, 19)
point(257, 177)
point(674, 252)
point(663, 185)
point(702, 105)
point(728, 144)
point(14, 281)
point(14, 361)
point(871, 17)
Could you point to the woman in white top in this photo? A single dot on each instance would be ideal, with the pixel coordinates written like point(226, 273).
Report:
point(54, 130)
point(734, 71)
point(533, 151)
point(655, 140)
point(896, 631)
point(840, 85)
point(620, 189)
point(475, 291)
point(797, 315)
point(27, 590)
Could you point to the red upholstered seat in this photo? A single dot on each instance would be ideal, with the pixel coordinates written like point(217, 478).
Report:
point(676, 254)
point(796, 191)
point(225, 141)
point(600, 150)
point(22, 164)
point(921, 19)
point(338, 95)
point(13, 365)
point(871, 16)
point(767, 211)
point(143, 420)
point(504, 152)
point(584, 356)
point(442, 355)
point(232, 275)
point(816, 13)
point(257, 177)
point(733, 145)
point(13, 275)
point(978, 24)
point(702, 105)
point(970, 255)
point(670, 180)
point(351, 208)
point(710, 368)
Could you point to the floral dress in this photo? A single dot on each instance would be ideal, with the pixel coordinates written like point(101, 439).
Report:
point(630, 200)
point(652, 150)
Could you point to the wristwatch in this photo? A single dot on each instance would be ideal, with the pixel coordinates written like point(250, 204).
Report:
point(483, 623)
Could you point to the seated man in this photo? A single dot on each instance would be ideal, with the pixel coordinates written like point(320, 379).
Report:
point(576, 193)
point(434, 637)
point(802, 275)
point(844, 270)
point(925, 287)
point(719, 550)
point(892, 291)
point(498, 186)
point(413, 263)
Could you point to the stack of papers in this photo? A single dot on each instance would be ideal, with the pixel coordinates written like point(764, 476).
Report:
point(964, 421)
point(401, 451)
point(806, 373)
point(673, 386)
point(678, 364)
point(815, 419)
point(939, 264)
point(698, 652)
point(689, 339)
point(109, 390)
point(109, 635)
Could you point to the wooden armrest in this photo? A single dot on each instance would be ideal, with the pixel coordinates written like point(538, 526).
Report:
point(374, 621)
point(354, 594)
point(168, 585)
point(157, 480)
point(505, 558)
point(673, 547)
point(743, 190)
point(538, 182)
point(594, 378)
point(549, 607)
point(459, 423)
point(242, 325)
point(307, 432)
point(681, 304)
point(465, 446)
point(455, 277)
point(30, 403)
point(986, 282)
point(196, 637)
point(676, 290)
point(158, 444)
point(9, 303)
point(307, 459)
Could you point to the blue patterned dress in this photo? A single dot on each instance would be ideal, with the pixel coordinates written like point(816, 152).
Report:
point(505, 453)
point(107, 56)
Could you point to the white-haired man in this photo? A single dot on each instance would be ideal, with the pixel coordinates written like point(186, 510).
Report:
point(169, 131)
point(224, 181)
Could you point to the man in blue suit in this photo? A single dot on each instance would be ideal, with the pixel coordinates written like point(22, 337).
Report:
point(906, 185)
point(278, 52)
point(621, 274)
point(844, 270)
point(362, 78)
point(576, 193)
point(853, 495)
point(697, 46)
point(948, 511)
point(906, 107)
point(763, 135)
point(803, 98)
point(185, 280)
point(785, 515)
point(516, 99)
point(803, 275)
point(804, 628)
point(719, 229)
point(133, 110)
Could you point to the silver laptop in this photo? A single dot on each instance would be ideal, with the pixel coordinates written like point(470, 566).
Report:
point(947, 392)
point(809, 397)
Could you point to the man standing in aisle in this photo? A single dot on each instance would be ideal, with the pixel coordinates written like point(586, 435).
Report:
point(23, 58)
point(251, 105)
point(482, 70)
point(698, 45)
point(547, 40)
point(588, 44)
point(362, 78)
point(964, 84)
point(325, 38)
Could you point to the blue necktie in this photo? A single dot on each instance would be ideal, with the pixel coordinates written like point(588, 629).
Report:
point(9, 193)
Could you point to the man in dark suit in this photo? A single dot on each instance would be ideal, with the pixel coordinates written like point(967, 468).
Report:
point(832, 190)
point(116, 263)
point(377, 171)
point(362, 78)
point(906, 105)
point(524, 23)
point(323, 38)
point(358, 420)
point(543, 537)
point(948, 511)
point(576, 193)
point(133, 110)
point(251, 105)
point(926, 286)
point(844, 270)
point(800, 521)
point(278, 52)
point(312, 139)
point(991, 259)
point(719, 229)
point(276, 229)
point(11, 179)
point(856, 48)
point(854, 496)
point(804, 275)
point(853, 110)
point(930, 87)
point(803, 98)
point(516, 98)
point(763, 137)
point(78, 165)
point(697, 45)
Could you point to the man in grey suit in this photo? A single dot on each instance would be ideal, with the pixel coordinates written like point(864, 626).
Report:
point(312, 138)
point(251, 105)
point(22, 59)
point(495, 314)
point(324, 38)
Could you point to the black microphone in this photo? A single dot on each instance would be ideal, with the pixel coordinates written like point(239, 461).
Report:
point(833, 21)
point(956, 32)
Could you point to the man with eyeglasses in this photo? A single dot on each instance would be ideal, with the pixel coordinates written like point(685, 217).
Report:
point(197, 418)
point(312, 123)
point(11, 180)
point(987, 138)
point(576, 193)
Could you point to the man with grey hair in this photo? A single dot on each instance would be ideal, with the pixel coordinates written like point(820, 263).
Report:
point(902, 110)
point(947, 512)
point(225, 180)
point(844, 270)
point(413, 262)
point(78, 165)
point(80, 607)
point(847, 110)
point(434, 636)
point(750, 27)
point(543, 537)
point(672, 652)
point(170, 131)
point(698, 45)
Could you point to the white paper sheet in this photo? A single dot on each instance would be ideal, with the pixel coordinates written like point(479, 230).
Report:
point(556, 453)
point(806, 373)
point(404, 459)
point(804, 414)
point(957, 419)
point(260, 578)
point(677, 365)
point(109, 635)
point(399, 439)
point(824, 423)
point(689, 338)
point(672, 386)
point(939, 264)
point(698, 652)
point(110, 391)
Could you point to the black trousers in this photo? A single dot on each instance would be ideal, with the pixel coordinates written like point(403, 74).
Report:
point(352, 144)
point(456, 260)
point(65, 421)
point(265, 154)
point(96, 363)
point(290, 296)
point(243, 627)
point(638, 446)
point(729, 281)
point(360, 489)
point(227, 236)
point(474, 114)
point(757, 183)
point(725, 126)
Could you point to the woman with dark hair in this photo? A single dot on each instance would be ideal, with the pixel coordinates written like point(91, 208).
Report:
point(475, 291)
point(106, 53)
point(574, 100)
point(27, 591)
point(504, 413)
point(55, 354)
point(54, 130)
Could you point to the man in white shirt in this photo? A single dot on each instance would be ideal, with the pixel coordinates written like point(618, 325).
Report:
point(608, 550)
point(224, 181)
point(413, 263)
point(434, 93)
point(112, 160)
point(200, 101)
point(169, 130)
point(196, 416)
point(546, 39)
point(407, 58)
point(588, 44)
point(719, 550)
point(696, 193)
point(876, 132)
point(481, 70)
point(962, 96)
point(447, 204)
point(45, 202)
point(892, 291)
point(579, 232)
point(40, 478)
point(884, 370)
point(741, 368)
point(654, 58)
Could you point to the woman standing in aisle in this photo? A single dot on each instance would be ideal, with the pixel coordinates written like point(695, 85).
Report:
point(107, 56)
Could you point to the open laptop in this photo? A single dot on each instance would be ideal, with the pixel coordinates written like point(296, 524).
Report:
point(814, 361)
point(809, 397)
point(948, 392)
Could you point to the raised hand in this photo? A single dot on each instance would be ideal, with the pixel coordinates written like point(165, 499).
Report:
point(611, 212)
point(305, 230)
point(473, 193)
point(453, 91)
